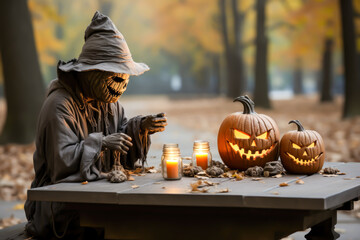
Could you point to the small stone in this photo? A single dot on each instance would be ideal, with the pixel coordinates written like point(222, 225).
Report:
point(254, 171)
point(214, 171)
point(330, 170)
point(191, 171)
point(274, 168)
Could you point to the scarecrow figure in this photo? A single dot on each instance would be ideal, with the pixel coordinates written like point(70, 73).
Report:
point(82, 129)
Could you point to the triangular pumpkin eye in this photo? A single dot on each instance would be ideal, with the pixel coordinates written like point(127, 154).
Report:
point(312, 145)
point(264, 135)
point(240, 135)
point(294, 145)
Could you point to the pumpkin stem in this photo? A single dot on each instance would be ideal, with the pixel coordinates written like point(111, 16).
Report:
point(249, 105)
point(297, 122)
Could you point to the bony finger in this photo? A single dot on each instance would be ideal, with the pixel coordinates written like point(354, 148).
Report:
point(160, 124)
point(127, 137)
point(128, 143)
point(161, 114)
point(163, 119)
point(124, 147)
point(123, 151)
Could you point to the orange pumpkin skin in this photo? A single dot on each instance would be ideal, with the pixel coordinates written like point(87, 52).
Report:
point(247, 139)
point(302, 151)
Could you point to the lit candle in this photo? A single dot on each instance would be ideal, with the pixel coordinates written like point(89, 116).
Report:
point(201, 154)
point(172, 168)
point(202, 160)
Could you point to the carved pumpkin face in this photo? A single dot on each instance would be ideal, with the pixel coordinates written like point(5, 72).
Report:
point(248, 139)
point(103, 86)
point(302, 151)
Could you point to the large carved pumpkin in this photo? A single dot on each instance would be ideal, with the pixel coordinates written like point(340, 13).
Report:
point(248, 139)
point(302, 151)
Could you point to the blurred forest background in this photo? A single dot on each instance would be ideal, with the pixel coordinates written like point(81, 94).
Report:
point(298, 59)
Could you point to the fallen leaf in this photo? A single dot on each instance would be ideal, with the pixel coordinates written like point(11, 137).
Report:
point(330, 175)
point(138, 170)
point(340, 173)
point(278, 176)
point(357, 176)
point(150, 170)
point(238, 176)
point(19, 206)
point(256, 179)
point(157, 183)
point(299, 181)
point(135, 186)
point(202, 173)
point(163, 187)
point(201, 177)
point(85, 182)
point(284, 184)
point(130, 178)
point(208, 183)
point(199, 184)
point(349, 178)
point(225, 190)
point(275, 193)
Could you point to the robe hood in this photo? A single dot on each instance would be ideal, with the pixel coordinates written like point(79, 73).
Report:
point(105, 49)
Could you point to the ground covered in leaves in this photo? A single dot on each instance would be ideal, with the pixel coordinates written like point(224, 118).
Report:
point(342, 137)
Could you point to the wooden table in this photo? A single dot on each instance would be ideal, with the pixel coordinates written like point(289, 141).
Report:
point(160, 209)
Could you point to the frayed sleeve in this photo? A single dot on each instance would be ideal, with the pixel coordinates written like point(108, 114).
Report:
point(141, 141)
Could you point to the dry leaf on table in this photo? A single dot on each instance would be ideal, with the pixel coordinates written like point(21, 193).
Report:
point(135, 186)
point(284, 184)
point(85, 182)
point(130, 178)
point(225, 190)
point(256, 179)
point(278, 176)
point(299, 181)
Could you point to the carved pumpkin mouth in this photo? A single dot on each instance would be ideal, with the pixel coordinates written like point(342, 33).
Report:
point(250, 154)
point(113, 92)
point(304, 162)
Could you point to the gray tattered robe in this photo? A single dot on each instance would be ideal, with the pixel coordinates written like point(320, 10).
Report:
point(69, 148)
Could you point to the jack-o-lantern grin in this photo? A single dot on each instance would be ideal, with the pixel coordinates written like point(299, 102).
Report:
point(251, 155)
point(304, 162)
point(113, 92)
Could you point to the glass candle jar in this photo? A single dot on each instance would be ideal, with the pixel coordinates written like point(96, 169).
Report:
point(171, 162)
point(201, 154)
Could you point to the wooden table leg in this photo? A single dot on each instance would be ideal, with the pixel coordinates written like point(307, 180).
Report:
point(325, 229)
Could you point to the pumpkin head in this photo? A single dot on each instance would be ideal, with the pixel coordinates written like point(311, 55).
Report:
point(302, 151)
point(248, 139)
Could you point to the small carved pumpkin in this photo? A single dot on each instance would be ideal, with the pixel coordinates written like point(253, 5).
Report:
point(302, 151)
point(247, 139)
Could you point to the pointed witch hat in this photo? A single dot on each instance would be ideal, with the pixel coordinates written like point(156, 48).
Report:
point(105, 49)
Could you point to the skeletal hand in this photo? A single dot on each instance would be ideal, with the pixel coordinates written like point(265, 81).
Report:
point(154, 123)
point(117, 141)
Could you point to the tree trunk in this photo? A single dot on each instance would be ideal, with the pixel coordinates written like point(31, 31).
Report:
point(261, 90)
point(237, 49)
point(234, 65)
point(327, 75)
point(298, 78)
point(351, 65)
point(24, 88)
